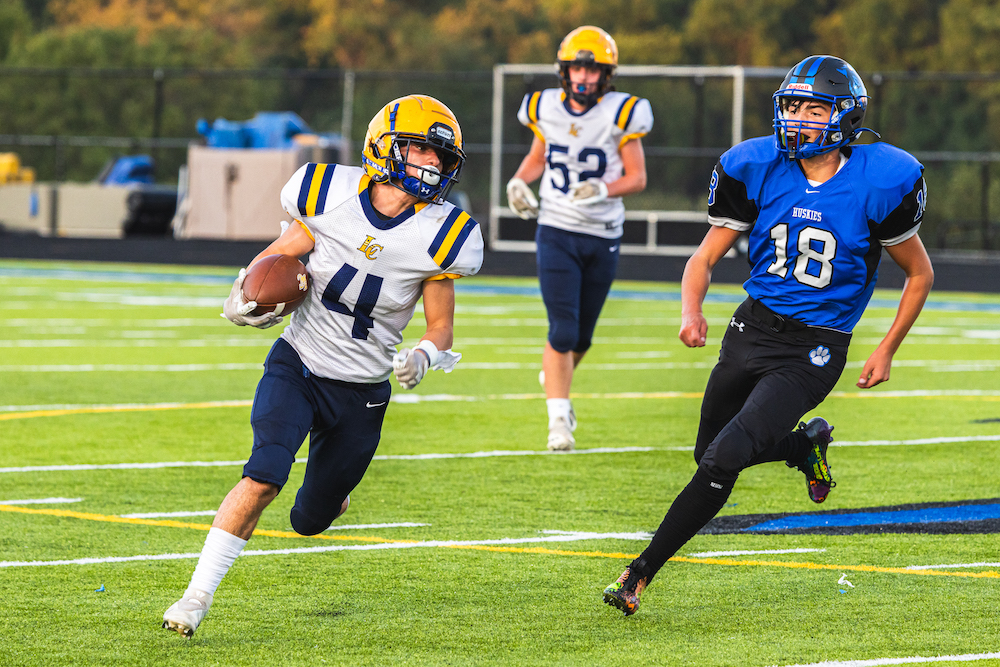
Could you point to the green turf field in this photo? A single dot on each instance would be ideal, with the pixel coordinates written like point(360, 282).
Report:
point(107, 372)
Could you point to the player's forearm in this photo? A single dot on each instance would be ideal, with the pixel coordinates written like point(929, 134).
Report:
point(627, 185)
point(530, 170)
point(442, 335)
point(694, 285)
point(911, 302)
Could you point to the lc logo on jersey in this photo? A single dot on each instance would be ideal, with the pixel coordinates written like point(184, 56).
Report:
point(370, 249)
point(574, 130)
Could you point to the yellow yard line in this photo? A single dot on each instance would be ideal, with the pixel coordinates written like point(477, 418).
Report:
point(124, 408)
point(110, 518)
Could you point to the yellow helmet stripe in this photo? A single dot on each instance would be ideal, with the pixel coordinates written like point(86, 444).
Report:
point(625, 112)
point(444, 250)
point(533, 106)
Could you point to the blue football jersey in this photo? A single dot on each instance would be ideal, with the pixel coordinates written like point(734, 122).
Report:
point(815, 249)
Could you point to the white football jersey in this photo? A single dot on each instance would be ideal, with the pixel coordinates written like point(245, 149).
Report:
point(581, 146)
point(367, 271)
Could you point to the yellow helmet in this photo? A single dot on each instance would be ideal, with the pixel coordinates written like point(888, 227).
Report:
point(414, 119)
point(588, 46)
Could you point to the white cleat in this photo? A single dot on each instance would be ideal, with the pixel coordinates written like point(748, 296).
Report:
point(185, 615)
point(561, 434)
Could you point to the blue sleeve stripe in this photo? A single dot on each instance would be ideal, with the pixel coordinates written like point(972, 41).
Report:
point(324, 188)
point(443, 232)
point(304, 188)
point(470, 224)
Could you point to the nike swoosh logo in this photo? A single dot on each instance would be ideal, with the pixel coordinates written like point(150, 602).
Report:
point(374, 405)
point(613, 248)
point(811, 192)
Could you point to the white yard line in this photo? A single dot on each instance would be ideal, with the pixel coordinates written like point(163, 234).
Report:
point(166, 515)
point(967, 657)
point(950, 565)
point(387, 457)
point(567, 537)
point(365, 526)
point(714, 554)
point(41, 501)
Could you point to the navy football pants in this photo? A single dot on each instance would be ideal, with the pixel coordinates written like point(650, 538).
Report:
point(344, 423)
point(575, 272)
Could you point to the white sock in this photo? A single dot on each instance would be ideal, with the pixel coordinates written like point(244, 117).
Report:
point(558, 407)
point(217, 556)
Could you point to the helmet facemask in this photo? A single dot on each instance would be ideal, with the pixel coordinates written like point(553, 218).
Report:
point(577, 91)
point(430, 184)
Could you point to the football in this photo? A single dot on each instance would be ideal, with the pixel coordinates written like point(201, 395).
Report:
point(278, 283)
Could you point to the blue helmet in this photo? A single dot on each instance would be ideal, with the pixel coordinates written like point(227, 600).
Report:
point(828, 79)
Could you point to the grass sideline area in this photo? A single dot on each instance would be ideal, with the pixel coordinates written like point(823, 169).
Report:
point(124, 420)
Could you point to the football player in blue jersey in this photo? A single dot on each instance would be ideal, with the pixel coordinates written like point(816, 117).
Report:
point(818, 212)
point(588, 152)
point(382, 237)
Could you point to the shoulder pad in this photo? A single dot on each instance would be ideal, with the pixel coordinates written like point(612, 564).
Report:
point(316, 188)
point(450, 239)
point(887, 167)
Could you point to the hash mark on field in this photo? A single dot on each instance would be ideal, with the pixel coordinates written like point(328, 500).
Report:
point(967, 657)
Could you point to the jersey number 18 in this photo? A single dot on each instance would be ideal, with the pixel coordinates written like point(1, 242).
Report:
point(824, 257)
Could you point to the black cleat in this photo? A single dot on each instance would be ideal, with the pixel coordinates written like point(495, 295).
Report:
point(819, 479)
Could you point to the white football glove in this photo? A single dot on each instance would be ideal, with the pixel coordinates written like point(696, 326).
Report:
point(409, 366)
point(236, 310)
point(586, 193)
point(521, 199)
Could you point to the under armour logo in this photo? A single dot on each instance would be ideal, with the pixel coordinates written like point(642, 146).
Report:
point(738, 325)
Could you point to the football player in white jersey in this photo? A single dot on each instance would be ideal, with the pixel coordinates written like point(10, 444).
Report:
point(587, 150)
point(382, 236)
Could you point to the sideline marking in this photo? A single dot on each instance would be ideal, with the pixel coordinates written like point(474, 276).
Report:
point(41, 501)
point(482, 545)
point(966, 657)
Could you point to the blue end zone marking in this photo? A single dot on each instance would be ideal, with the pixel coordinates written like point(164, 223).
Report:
point(930, 515)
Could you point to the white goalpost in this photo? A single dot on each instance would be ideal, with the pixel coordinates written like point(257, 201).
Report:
point(652, 218)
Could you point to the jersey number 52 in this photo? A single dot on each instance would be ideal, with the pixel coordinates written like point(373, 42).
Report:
point(584, 157)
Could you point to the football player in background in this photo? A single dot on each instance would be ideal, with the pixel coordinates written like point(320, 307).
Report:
point(587, 150)
point(819, 212)
point(382, 236)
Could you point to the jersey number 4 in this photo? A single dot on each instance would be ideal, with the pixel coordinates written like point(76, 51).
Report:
point(583, 157)
point(814, 245)
point(362, 312)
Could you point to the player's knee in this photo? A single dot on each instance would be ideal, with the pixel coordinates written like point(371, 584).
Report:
point(306, 524)
point(563, 336)
point(269, 464)
point(316, 519)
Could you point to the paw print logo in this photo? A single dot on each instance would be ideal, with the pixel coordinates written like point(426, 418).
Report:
point(819, 356)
